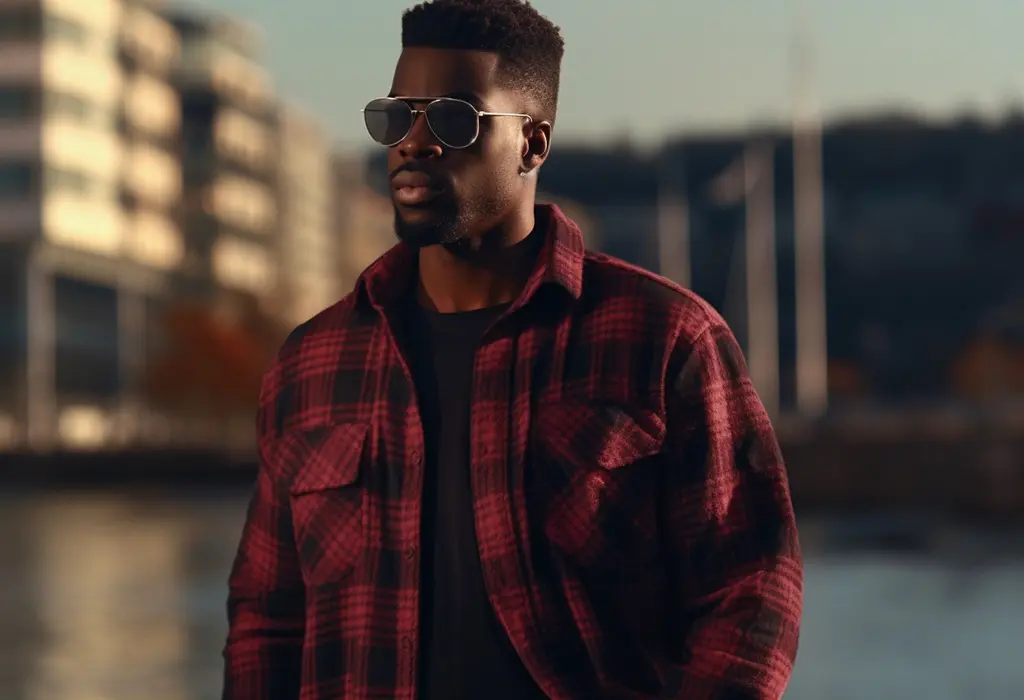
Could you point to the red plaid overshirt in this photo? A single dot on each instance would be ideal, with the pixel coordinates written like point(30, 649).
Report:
point(632, 508)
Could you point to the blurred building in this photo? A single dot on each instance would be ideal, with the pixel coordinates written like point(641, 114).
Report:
point(579, 214)
point(229, 159)
point(308, 242)
point(364, 220)
point(924, 238)
point(89, 186)
point(924, 234)
point(618, 189)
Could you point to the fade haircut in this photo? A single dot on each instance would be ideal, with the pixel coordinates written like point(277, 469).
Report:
point(528, 45)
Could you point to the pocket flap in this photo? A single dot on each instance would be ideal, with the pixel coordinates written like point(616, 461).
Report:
point(600, 434)
point(326, 458)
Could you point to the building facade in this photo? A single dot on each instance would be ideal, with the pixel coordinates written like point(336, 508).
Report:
point(309, 247)
point(229, 160)
point(364, 223)
point(89, 188)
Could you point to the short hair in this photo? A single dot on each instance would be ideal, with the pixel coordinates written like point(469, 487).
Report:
point(528, 45)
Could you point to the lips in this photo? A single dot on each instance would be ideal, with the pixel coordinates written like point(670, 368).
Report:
point(411, 189)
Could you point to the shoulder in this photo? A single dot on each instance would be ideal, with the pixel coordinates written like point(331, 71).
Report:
point(312, 356)
point(646, 303)
point(327, 330)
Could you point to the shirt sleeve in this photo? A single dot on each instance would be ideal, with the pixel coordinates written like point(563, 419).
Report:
point(266, 595)
point(734, 555)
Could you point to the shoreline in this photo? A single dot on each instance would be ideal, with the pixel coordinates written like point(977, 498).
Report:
point(970, 478)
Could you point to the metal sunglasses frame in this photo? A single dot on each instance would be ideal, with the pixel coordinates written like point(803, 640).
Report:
point(431, 100)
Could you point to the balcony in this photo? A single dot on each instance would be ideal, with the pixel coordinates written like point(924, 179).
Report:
point(151, 108)
point(153, 176)
point(101, 17)
point(93, 75)
point(154, 241)
point(148, 41)
point(84, 223)
point(69, 144)
point(205, 64)
point(241, 203)
point(241, 265)
point(243, 140)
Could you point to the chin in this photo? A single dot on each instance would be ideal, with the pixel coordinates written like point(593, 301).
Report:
point(415, 216)
point(419, 231)
point(427, 226)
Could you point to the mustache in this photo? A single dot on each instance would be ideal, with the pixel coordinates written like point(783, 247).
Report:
point(438, 178)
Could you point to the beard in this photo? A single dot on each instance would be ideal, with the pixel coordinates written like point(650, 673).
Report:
point(441, 227)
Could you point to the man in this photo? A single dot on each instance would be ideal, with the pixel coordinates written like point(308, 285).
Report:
point(504, 467)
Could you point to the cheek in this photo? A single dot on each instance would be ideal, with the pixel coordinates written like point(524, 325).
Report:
point(489, 176)
point(504, 163)
point(496, 184)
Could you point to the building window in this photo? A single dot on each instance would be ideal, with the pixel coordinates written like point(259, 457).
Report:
point(61, 180)
point(30, 25)
point(17, 103)
point(62, 29)
point(19, 25)
point(12, 321)
point(16, 180)
point(87, 358)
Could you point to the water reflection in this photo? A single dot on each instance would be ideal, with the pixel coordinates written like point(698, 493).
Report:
point(113, 598)
point(121, 597)
point(109, 602)
point(891, 628)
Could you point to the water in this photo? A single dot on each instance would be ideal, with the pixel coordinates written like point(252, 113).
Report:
point(117, 597)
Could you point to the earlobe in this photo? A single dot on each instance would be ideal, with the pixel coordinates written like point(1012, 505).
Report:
point(532, 162)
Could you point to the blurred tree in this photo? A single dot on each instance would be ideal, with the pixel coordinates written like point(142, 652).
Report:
point(213, 358)
point(846, 379)
point(989, 368)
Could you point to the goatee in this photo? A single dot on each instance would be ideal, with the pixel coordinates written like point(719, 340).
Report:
point(440, 230)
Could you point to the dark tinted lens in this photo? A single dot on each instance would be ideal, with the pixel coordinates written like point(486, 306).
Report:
point(454, 123)
point(387, 121)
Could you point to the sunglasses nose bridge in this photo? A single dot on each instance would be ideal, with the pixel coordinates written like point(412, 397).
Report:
point(420, 142)
point(419, 127)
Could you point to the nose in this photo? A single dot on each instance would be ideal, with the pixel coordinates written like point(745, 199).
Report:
point(420, 143)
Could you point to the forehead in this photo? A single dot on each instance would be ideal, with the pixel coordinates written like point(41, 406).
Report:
point(425, 72)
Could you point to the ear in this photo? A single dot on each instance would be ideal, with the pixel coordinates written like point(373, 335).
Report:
point(536, 145)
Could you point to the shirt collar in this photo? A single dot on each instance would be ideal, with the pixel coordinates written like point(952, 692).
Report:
point(560, 263)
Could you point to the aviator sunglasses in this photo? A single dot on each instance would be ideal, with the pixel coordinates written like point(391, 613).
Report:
point(454, 122)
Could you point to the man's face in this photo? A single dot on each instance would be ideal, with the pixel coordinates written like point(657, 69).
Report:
point(476, 187)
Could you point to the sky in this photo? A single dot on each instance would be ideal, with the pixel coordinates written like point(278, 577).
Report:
point(642, 70)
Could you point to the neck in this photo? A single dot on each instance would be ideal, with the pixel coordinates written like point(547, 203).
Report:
point(486, 271)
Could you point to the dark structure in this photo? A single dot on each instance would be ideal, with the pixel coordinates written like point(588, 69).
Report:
point(925, 234)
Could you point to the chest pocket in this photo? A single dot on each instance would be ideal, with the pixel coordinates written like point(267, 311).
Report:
point(593, 481)
point(328, 499)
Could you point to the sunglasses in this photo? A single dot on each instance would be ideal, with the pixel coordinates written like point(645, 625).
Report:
point(455, 123)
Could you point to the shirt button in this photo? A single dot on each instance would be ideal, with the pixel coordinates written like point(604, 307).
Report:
point(415, 457)
point(407, 643)
point(410, 553)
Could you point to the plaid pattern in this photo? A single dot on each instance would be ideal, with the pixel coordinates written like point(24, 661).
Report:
point(632, 508)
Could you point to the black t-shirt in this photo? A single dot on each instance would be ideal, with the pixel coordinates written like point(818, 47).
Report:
point(465, 653)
